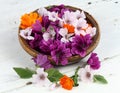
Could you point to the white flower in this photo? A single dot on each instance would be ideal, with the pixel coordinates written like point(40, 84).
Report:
point(41, 77)
point(50, 34)
point(69, 18)
point(61, 22)
point(42, 11)
point(86, 74)
point(81, 23)
point(53, 16)
point(91, 30)
point(79, 14)
point(65, 36)
point(53, 86)
point(26, 34)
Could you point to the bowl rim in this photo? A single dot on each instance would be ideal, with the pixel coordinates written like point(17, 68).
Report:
point(73, 58)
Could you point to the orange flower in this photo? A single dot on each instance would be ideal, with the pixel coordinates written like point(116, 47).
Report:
point(69, 27)
point(66, 82)
point(28, 19)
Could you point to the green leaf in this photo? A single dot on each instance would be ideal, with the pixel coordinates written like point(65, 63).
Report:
point(24, 72)
point(43, 29)
point(49, 7)
point(100, 79)
point(54, 75)
point(75, 77)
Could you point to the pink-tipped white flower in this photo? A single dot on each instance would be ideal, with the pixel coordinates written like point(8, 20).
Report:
point(50, 34)
point(79, 14)
point(91, 30)
point(81, 23)
point(86, 74)
point(53, 86)
point(53, 16)
point(69, 18)
point(65, 36)
point(42, 11)
point(26, 34)
point(41, 78)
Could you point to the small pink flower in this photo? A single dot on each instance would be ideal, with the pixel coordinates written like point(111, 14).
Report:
point(65, 36)
point(82, 23)
point(86, 74)
point(91, 30)
point(79, 14)
point(41, 77)
point(53, 16)
point(42, 11)
point(26, 34)
point(53, 86)
point(69, 18)
point(50, 34)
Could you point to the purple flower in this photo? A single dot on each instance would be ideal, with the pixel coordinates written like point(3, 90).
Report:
point(37, 27)
point(35, 43)
point(45, 46)
point(80, 44)
point(55, 23)
point(60, 53)
point(93, 61)
point(45, 22)
point(42, 61)
point(59, 9)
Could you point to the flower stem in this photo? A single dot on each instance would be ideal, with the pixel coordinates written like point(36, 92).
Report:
point(75, 77)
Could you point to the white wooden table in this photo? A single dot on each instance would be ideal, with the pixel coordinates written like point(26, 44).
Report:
point(106, 12)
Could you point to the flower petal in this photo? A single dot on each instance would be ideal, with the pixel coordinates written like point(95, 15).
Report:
point(46, 36)
point(63, 32)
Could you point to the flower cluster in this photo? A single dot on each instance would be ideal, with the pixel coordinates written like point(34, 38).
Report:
point(49, 77)
point(57, 31)
point(84, 74)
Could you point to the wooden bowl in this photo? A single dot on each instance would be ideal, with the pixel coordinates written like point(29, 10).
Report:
point(71, 59)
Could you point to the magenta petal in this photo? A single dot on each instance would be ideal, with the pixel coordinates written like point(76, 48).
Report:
point(80, 44)
point(60, 53)
point(93, 61)
point(42, 61)
point(64, 62)
point(37, 27)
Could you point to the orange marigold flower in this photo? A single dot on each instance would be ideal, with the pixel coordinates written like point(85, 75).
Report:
point(28, 19)
point(69, 27)
point(66, 82)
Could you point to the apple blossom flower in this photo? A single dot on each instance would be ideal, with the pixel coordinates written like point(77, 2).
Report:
point(79, 14)
point(42, 11)
point(82, 23)
point(41, 77)
point(54, 86)
point(50, 34)
point(86, 74)
point(53, 16)
point(65, 36)
point(26, 34)
point(91, 30)
point(69, 17)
